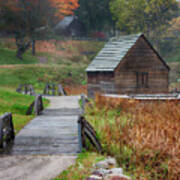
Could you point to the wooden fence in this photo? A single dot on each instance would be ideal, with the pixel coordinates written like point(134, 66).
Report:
point(37, 105)
point(86, 131)
point(26, 89)
point(53, 89)
point(7, 134)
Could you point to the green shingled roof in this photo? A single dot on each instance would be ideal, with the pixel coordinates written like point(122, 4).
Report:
point(112, 53)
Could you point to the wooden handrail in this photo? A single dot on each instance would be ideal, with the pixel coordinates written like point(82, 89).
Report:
point(84, 100)
point(87, 131)
point(7, 134)
point(53, 90)
point(26, 89)
point(37, 105)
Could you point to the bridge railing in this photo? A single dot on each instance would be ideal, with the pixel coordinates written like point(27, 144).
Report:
point(86, 131)
point(54, 89)
point(7, 134)
point(37, 105)
point(26, 89)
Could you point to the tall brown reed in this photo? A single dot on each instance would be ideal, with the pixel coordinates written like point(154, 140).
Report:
point(144, 136)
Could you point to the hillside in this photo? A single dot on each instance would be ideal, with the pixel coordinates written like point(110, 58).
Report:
point(55, 61)
point(17, 104)
point(59, 62)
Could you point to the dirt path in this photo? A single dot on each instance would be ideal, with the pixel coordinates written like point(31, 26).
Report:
point(37, 167)
point(47, 145)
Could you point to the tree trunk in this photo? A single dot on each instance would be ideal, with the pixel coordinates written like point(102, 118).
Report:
point(19, 53)
point(33, 47)
point(22, 47)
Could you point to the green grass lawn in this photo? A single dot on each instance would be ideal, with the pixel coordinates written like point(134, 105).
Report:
point(17, 104)
point(173, 57)
point(8, 56)
point(39, 75)
point(66, 63)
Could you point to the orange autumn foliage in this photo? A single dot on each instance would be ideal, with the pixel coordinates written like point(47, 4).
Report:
point(63, 7)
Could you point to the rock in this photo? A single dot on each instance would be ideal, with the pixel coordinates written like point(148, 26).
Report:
point(111, 161)
point(94, 177)
point(116, 171)
point(102, 165)
point(117, 177)
point(101, 172)
point(106, 164)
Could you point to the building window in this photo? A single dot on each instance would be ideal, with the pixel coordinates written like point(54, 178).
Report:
point(142, 79)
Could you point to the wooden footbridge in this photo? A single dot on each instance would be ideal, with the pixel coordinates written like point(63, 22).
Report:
point(55, 131)
point(50, 142)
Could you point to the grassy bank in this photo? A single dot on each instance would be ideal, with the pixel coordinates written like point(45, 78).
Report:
point(8, 56)
point(38, 75)
point(55, 62)
point(17, 104)
point(143, 137)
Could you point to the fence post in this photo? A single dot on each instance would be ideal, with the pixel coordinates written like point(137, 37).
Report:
point(12, 127)
point(6, 122)
point(83, 101)
point(53, 90)
point(25, 89)
point(80, 133)
point(61, 90)
point(1, 133)
point(36, 105)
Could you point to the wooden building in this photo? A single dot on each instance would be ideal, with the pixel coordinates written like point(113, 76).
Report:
point(70, 26)
point(128, 65)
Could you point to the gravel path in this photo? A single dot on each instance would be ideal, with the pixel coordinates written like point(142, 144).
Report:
point(47, 145)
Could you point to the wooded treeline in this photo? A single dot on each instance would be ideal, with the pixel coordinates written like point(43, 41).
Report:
point(29, 20)
point(159, 20)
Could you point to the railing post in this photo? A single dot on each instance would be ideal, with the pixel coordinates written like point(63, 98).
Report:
point(53, 90)
point(12, 127)
point(81, 125)
point(36, 109)
point(38, 105)
point(1, 133)
point(41, 104)
point(80, 133)
point(83, 101)
point(25, 89)
point(61, 90)
point(8, 135)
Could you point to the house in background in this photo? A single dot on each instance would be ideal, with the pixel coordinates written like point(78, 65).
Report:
point(70, 26)
point(128, 65)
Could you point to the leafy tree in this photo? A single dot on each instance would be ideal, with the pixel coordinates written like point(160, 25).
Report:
point(95, 15)
point(28, 19)
point(149, 16)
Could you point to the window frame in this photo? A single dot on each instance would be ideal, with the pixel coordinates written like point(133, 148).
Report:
point(142, 79)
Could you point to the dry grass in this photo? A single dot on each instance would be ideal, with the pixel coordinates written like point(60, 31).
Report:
point(74, 90)
point(144, 136)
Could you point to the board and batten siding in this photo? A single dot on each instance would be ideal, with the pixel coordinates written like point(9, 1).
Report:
point(141, 59)
point(140, 71)
point(100, 82)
